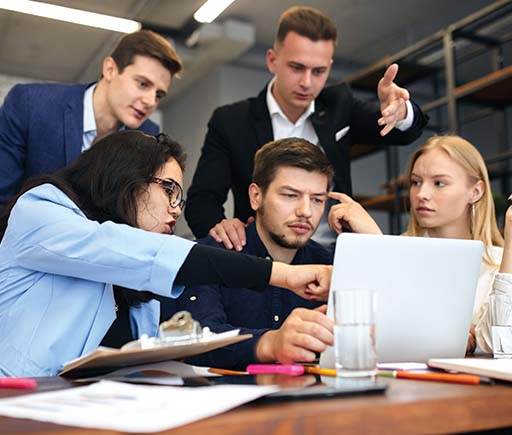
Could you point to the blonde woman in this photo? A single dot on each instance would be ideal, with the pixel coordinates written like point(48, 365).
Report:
point(450, 196)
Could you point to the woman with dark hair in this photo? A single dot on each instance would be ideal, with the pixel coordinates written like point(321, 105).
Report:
point(107, 220)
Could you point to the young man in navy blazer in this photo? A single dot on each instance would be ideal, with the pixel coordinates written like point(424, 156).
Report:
point(45, 126)
point(294, 104)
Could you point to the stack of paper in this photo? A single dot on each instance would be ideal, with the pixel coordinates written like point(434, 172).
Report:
point(130, 408)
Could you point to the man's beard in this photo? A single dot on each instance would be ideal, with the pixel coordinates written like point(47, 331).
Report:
point(283, 243)
point(280, 239)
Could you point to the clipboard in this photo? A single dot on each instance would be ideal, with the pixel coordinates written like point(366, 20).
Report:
point(105, 359)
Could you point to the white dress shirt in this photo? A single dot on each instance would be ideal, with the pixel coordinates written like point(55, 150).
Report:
point(90, 131)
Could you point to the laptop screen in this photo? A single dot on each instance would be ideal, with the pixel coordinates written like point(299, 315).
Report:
point(425, 292)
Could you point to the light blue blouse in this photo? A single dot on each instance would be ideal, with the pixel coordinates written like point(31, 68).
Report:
point(57, 269)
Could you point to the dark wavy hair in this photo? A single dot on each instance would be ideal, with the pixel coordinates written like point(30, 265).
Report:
point(106, 180)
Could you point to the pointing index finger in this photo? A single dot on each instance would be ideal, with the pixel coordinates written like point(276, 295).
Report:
point(390, 74)
point(342, 197)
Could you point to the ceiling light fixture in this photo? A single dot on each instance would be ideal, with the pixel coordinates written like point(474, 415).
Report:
point(211, 10)
point(70, 15)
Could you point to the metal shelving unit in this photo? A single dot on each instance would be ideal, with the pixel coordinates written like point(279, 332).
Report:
point(434, 62)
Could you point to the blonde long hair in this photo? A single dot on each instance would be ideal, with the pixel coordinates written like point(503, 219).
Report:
point(483, 220)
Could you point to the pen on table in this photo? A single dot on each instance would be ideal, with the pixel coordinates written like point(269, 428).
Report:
point(20, 383)
point(319, 371)
point(285, 369)
point(442, 377)
point(226, 372)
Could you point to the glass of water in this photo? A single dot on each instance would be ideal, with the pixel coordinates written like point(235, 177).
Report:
point(500, 306)
point(354, 332)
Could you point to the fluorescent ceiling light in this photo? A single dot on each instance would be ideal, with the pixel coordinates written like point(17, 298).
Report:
point(211, 10)
point(70, 15)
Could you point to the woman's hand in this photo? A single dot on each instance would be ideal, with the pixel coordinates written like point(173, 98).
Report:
point(351, 214)
point(309, 281)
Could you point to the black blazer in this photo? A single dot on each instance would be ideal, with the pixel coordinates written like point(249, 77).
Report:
point(236, 131)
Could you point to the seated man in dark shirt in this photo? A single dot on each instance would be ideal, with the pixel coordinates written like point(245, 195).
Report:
point(289, 190)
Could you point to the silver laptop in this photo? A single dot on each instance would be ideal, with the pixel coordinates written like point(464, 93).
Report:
point(425, 292)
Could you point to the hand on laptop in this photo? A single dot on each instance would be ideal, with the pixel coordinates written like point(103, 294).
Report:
point(231, 232)
point(309, 281)
point(302, 334)
point(351, 214)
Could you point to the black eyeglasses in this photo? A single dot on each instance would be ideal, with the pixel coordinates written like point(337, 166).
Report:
point(173, 190)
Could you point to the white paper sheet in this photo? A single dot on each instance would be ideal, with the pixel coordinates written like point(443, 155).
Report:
point(176, 368)
point(130, 408)
point(404, 366)
point(170, 373)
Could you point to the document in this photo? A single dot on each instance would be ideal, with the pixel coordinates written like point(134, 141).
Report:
point(162, 373)
point(166, 368)
point(130, 408)
point(107, 359)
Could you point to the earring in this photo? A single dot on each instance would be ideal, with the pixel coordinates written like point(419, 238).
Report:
point(472, 219)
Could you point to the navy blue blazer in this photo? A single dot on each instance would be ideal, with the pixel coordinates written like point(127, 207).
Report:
point(41, 131)
point(253, 311)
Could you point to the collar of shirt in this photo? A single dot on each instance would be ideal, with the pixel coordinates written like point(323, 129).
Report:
point(90, 130)
point(282, 126)
point(89, 133)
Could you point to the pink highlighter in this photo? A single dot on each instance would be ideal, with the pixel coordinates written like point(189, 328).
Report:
point(20, 383)
point(285, 369)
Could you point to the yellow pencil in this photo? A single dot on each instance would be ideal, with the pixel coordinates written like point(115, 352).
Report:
point(319, 371)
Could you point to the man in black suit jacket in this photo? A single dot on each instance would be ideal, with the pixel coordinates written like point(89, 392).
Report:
point(294, 103)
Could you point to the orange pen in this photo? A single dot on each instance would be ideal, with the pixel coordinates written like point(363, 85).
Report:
point(441, 377)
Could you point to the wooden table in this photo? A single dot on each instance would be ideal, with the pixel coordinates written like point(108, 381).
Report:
point(408, 407)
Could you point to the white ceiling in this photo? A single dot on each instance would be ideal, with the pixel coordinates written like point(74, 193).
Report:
point(44, 49)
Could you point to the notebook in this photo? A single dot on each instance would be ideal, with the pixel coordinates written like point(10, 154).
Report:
point(492, 368)
point(425, 292)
